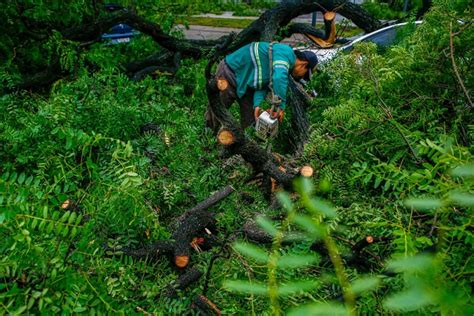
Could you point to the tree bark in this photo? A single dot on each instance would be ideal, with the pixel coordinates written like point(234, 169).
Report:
point(265, 27)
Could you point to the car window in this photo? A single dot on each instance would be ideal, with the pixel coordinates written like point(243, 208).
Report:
point(384, 38)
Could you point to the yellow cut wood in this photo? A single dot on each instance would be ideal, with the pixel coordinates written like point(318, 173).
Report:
point(225, 137)
point(307, 171)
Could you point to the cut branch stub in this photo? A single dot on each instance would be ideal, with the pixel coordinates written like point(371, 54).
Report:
point(225, 137)
point(205, 306)
point(307, 171)
point(181, 261)
point(192, 223)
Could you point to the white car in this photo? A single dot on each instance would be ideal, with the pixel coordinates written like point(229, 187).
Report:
point(383, 37)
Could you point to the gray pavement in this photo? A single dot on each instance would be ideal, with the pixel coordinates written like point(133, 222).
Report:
point(211, 32)
point(200, 32)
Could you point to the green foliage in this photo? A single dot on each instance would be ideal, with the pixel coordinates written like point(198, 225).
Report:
point(239, 8)
point(391, 144)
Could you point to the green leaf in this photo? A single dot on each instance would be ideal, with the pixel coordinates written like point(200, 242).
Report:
point(420, 262)
point(367, 178)
point(31, 301)
point(317, 205)
point(296, 287)
point(65, 231)
point(19, 311)
point(21, 178)
point(267, 225)
point(78, 220)
point(55, 215)
point(34, 223)
point(65, 217)
point(296, 261)
point(465, 171)
point(72, 218)
point(462, 199)
point(409, 300)
point(319, 309)
point(424, 204)
point(308, 224)
point(79, 309)
point(246, 287)
point(304, 186)
point(365, 284)
point(386, 186)
point(13, 176)
point(285, 200)
point(73, 232)
point(252, 251)
point(50, 227)
point(377, 182)
point(29, 180)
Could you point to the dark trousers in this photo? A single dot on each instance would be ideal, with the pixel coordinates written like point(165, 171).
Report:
point(228, 96)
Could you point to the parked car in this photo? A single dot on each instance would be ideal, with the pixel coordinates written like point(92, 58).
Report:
point(119, 33)
point(383, 37)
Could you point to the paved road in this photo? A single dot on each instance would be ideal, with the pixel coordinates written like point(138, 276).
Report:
point(210, 32)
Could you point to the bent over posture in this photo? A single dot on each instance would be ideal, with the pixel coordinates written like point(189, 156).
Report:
point(244, 76)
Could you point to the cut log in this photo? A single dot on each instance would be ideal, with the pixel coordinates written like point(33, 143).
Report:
point(330, 32)
point(225, 137)
point(181, 261)
point(192, 223)
point(307, 171)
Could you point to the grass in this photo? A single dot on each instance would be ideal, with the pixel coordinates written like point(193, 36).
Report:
point(217, 22)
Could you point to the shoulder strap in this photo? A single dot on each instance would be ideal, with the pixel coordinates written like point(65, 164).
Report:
point(274, 99)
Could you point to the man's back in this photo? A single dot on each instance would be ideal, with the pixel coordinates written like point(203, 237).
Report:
point(250, 64)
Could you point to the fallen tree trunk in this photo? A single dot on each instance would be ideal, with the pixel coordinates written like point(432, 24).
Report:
point(190, 226)
point(264, 29)
point(300, 127)
point(92, 31)
point(170, 69)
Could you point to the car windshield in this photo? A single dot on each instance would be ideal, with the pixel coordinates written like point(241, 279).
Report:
point(384, 38)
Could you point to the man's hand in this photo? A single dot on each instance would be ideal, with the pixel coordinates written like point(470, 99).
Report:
point(256, 112)
point(280, 115)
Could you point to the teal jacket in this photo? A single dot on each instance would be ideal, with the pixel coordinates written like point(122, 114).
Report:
point(250, 64)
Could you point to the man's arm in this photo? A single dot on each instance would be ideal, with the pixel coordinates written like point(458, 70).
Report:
point(280, 80)
point(258, 97)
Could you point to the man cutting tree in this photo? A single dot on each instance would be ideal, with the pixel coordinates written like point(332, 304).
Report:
point(246, 76)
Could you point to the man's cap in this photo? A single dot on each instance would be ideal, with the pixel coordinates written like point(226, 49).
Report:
point(310, 57)
point(312, 60)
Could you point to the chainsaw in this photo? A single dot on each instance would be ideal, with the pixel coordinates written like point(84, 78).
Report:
point(266, 126)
